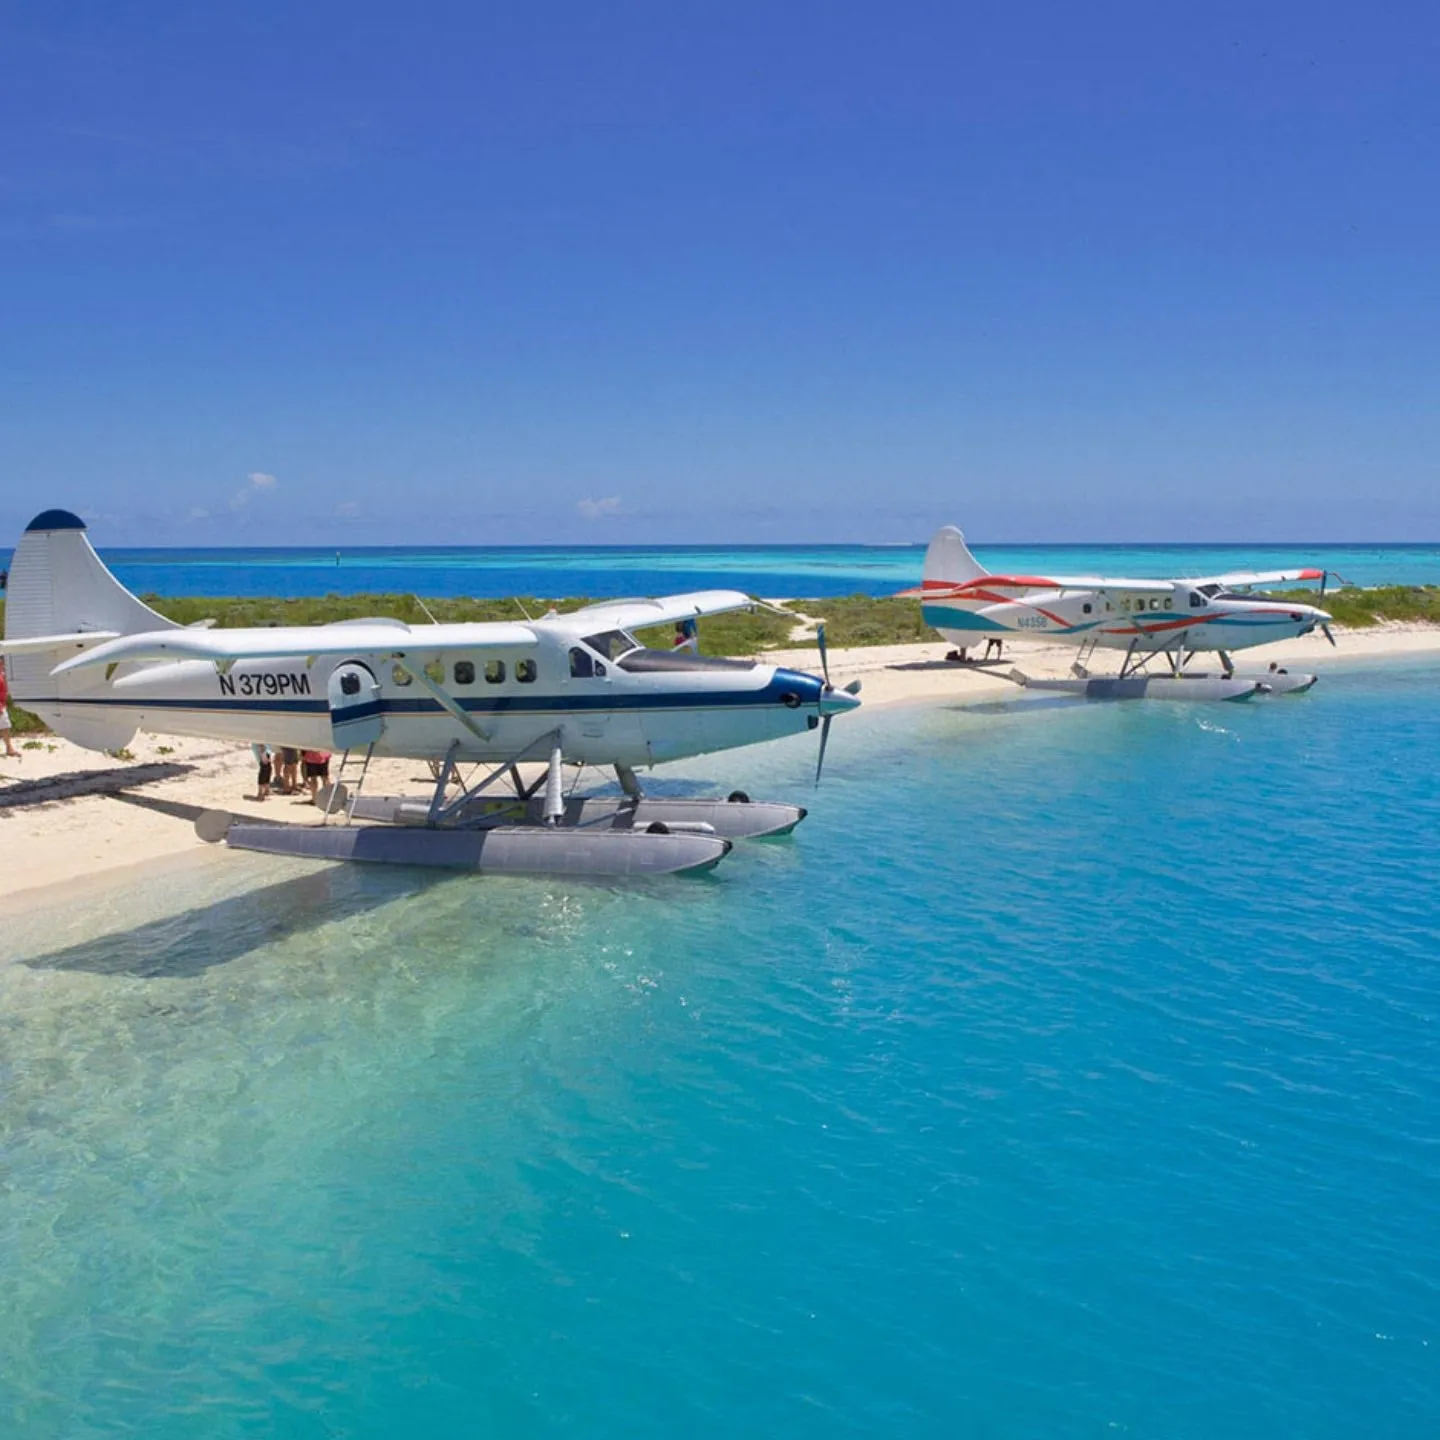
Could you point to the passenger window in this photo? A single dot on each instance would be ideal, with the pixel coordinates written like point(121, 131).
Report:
point(600, 669)
point(464, 672)
point(1154, 604)
point(581, 665)
point(435, 672)
point(1197, 600)
point(1088, 607)
point(400, 675)
point(525, 671)
point(1169, 602)
point(494, 672)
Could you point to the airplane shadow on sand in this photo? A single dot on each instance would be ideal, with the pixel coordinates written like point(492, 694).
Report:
point(186, 945)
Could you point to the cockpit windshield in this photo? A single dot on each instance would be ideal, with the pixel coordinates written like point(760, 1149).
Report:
point(612, 644)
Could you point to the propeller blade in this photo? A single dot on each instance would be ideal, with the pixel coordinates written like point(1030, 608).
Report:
point(824, 741)
point(824, 657)
point(853, 688)
point(1329, 634)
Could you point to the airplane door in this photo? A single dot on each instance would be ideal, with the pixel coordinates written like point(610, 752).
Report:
point(356, 719)
point(590, 684)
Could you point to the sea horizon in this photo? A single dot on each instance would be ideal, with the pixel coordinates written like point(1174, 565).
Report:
point(798, 570)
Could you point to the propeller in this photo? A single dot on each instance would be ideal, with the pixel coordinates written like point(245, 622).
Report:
point(1329, 634)
point(824, 719)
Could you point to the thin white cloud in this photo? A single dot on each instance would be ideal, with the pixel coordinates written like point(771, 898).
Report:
point(256, 482)
point(598, 509)
point(199, 512)
point(348, 509)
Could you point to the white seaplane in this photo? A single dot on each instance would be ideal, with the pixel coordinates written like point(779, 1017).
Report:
point(98, 664)
point(1147, 619)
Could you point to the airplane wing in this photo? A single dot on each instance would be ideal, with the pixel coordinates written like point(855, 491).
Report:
point(666, 609)
point(294, 642)
point(998, 587)
point(1258, 577)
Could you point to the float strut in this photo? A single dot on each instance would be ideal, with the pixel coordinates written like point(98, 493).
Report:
point(555, 788)
point(628, 782)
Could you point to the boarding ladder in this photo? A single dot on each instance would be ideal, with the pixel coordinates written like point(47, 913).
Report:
point(363, 764)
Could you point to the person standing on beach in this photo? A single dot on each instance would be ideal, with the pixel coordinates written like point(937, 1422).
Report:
point(687, 636)
point(289, 770)
point(263, 760)
point(317, 770)
point(11, 753)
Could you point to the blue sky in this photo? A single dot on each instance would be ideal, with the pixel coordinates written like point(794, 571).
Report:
point(655, 272)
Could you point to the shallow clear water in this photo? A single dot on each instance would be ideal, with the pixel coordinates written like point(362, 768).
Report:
point(1074, 1070)
point(794, 570)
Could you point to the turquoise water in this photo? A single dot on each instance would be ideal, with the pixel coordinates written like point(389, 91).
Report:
point(1073, 1071)
point(793, 570)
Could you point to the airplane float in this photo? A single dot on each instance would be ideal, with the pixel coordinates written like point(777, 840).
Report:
point(97, 664)
point(1147, 619)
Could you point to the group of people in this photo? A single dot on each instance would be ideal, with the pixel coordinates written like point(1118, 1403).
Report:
point(286, 770)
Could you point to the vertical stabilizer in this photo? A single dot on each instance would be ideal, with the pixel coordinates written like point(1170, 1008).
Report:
point(59, 587)
point(948, 561)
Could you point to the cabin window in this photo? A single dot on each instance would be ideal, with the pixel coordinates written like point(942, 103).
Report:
point(612, 644)
point(494, 672)
point(1169, 602)
point(1088, 607)
point(582, 667)
point(464, 672)
point(1154, 604)
point(600, 669)
point(1197, 600)
point(525, 671)
point(435, 672)
point(400, 675)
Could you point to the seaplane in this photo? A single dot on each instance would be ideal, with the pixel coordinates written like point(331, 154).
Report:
point(1164, 622)
point(553, 694)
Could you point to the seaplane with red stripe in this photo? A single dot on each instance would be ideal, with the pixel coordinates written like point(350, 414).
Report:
point(1164, 623)
point(526, 705)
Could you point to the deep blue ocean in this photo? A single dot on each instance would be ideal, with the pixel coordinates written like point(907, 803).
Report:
point(1073, 1071)
point(788, 571)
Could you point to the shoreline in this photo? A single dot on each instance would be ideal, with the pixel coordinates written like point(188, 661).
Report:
point(75, 820)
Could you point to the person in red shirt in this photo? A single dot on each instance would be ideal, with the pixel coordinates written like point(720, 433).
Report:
point(317, 769)
point(11, 752)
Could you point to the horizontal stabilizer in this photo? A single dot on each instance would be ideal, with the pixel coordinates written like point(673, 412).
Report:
point(75, 640)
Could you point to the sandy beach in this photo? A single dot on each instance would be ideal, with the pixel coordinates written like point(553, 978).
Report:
point(72, 817)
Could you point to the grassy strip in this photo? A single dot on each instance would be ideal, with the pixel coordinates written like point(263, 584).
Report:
point(1360, 609)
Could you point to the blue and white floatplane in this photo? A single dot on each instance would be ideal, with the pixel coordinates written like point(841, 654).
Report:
point(571, 690)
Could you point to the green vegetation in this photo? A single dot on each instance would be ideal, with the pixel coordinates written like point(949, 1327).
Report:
point(868, 620)
point(1359, 608)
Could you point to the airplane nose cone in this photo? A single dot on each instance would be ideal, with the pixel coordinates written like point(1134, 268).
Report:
point(837, 702)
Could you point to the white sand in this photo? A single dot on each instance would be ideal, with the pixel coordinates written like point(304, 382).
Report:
point(70, 816)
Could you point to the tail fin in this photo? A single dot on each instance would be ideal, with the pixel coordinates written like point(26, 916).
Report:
point(60, 598)
point(948, 561)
